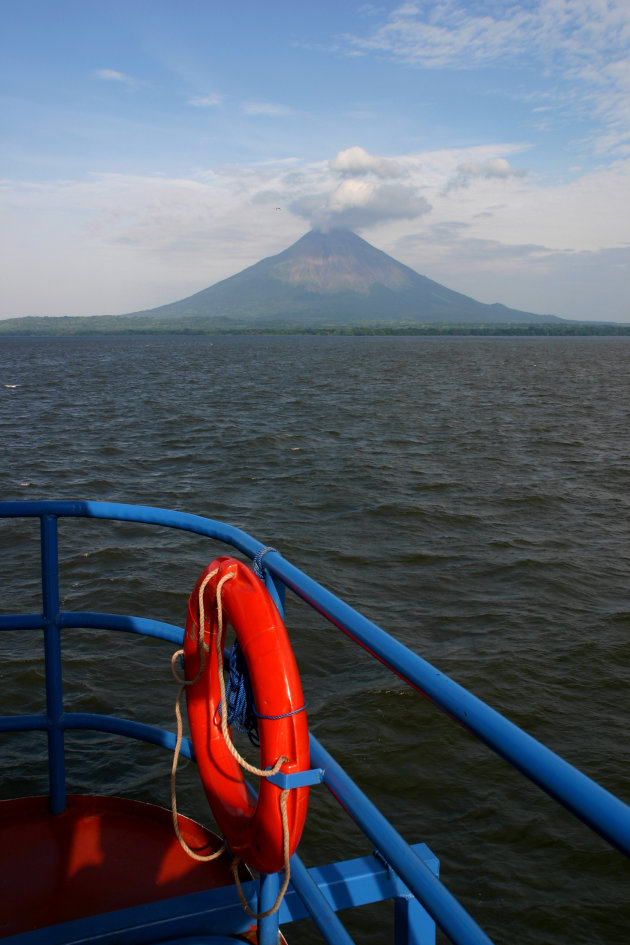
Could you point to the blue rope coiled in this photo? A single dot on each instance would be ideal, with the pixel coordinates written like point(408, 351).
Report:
point(239, 697)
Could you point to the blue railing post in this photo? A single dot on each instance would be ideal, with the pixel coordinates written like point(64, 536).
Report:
point(52, 650)
point(275, 585)
point(412, 923)
point(268, 893)
point(276, 589)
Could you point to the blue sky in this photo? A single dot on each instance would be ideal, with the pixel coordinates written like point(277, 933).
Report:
point(151, 148)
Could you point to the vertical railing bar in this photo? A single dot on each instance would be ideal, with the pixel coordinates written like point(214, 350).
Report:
point(316, 904)
point(412, 923)
point(277, 589)
point(269, 885)
point(52, 651)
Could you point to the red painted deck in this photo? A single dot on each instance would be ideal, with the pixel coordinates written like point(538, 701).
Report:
point(100, 854)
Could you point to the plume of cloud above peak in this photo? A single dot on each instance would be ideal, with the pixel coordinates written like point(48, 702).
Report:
point(355, 204)
point(356, 161)
point(360, 198)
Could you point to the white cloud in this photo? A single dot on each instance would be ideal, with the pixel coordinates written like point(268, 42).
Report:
point(269, 109)
point(497, 168)
point(462, 35)
point(358, 201)
point(356, 204)
point(114, 243)
point(587, 284)
point(112, 75)
point(357, 160)
point(205, 101)
point(582, 44)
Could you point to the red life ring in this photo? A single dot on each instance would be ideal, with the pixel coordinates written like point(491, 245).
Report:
point(253, 831)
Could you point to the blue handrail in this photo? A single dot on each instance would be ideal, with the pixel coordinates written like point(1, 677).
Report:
point(598, 808)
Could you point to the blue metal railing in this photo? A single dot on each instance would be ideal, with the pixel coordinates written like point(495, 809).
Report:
point(418, 888)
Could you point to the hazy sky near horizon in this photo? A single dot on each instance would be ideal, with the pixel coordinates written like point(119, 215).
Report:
point(151, 148)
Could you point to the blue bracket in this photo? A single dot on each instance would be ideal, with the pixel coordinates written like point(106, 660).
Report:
point(298, 778)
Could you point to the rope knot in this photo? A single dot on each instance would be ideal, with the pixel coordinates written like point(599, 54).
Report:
point(257, 561)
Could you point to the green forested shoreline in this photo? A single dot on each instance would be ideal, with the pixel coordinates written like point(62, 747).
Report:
point(119, 325)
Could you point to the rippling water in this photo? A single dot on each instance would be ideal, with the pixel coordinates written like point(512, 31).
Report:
point(470, 495)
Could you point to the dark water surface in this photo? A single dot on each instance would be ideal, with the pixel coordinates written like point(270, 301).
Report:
point(469, 495)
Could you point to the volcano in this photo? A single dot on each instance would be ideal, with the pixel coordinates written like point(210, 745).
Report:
point(331, 279)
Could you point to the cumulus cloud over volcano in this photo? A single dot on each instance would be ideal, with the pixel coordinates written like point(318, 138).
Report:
point(358, 197)
point(357, 161)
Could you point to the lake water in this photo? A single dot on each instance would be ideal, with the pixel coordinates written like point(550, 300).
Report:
point(470, 495)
